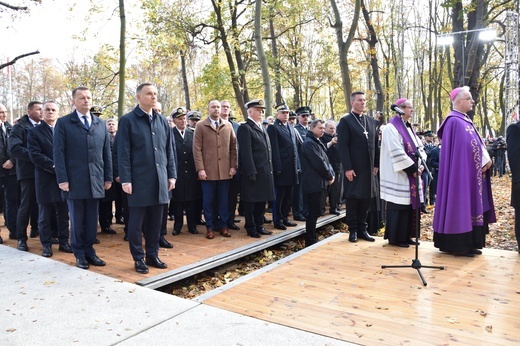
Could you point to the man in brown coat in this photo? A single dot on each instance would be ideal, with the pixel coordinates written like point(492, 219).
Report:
point(215, 154)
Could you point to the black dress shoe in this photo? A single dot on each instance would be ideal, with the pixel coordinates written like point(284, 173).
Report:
point(156, 262)
point(109, 230)
point(171, 218)
point(141, 267)
point(352, 237)
point(47, 251)
point(34, 233)
point(300, 218)
point(233, 226)
point(400, 244)
point(465, 254)
point(365, 236)
point(334, 212)
point(254, 234)
point(65, 248)
point(22, 245)
point(125, 238)
point(120, 221)
point(475, 251)
point(288, 223)
point(96, 241)
point(201, 222)
point(193, 230)
point(81, 263)
point(236, 220)
point(263, 231)
point(165, 243)
point(424, 211)
point(267, 220)
point(280, 225)
point(412, 242)
point(95, 261)
point(176, 232)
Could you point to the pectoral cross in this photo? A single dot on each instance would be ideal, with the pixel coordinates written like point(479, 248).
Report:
point(366, 134)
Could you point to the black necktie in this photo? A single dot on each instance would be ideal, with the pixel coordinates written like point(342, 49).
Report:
point(182, 133)
point(85, 121)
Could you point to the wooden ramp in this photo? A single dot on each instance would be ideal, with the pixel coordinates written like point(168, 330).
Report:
point(191, 254)
point(338, 289)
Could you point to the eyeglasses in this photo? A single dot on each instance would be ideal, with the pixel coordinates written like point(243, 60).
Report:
point(304, 115)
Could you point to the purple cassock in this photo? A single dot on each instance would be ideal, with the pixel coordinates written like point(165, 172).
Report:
point(464, 198)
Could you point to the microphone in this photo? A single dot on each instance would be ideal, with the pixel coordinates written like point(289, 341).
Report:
point(397, 109)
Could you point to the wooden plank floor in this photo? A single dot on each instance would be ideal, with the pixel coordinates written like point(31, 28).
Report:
point(338, 289)
point(188, 249)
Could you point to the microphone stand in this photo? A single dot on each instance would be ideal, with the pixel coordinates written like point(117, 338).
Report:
point(416, 264)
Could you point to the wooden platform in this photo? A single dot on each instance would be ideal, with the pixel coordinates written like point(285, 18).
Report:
point(191, 254)
point(338, 289)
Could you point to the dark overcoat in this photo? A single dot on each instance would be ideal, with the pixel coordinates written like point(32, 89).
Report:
point(316, 169)
point(145, 157)
point(358, 153)
point(5, 153)
point(187, 187)
point(82, 157)
point(18, 148)
point(513, 155)
point(39, 145)
point(286, 161)
point(332, 153)
point(254, 156)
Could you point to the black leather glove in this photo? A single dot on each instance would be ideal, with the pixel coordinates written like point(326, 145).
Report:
point(252, 178)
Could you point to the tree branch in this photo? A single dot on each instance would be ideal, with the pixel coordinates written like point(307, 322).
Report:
point(12, 62)
point(16, 8)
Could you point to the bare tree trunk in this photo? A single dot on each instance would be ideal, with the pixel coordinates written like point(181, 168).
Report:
point(122, 60)
point(274, 50)
point(343, 46)
point(374, 64)
point(185, 80)
point(235, 73)
point(262, 59)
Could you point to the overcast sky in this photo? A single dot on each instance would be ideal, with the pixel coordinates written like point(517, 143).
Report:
point(51, 27)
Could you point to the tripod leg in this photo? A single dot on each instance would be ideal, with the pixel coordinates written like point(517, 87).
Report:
point(422, 277)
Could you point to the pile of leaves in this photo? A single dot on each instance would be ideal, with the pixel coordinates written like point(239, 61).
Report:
point(502, 236)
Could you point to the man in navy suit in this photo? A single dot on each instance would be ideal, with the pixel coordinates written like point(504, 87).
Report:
point(83, 164)
point(48, 194)
point(257, 184)
point(8, 177)
point(147, 173)
point(286, 165)
point(25, 172)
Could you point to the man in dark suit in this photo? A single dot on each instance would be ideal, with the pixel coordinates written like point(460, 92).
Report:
point(48, 194)
point(147, 173)
point(256, 168)
point(8, 177)
point(286, 165)
point(302, 127)
point(513, 155)
point(335, 189)
point(25, 172)
point(234, 183)
point(317, 175)
point(187, 189)
point(359, 153)
point(83, 164)
point(105, 204)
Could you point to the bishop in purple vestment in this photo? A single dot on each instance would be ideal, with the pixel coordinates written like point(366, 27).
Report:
point(464, 205)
